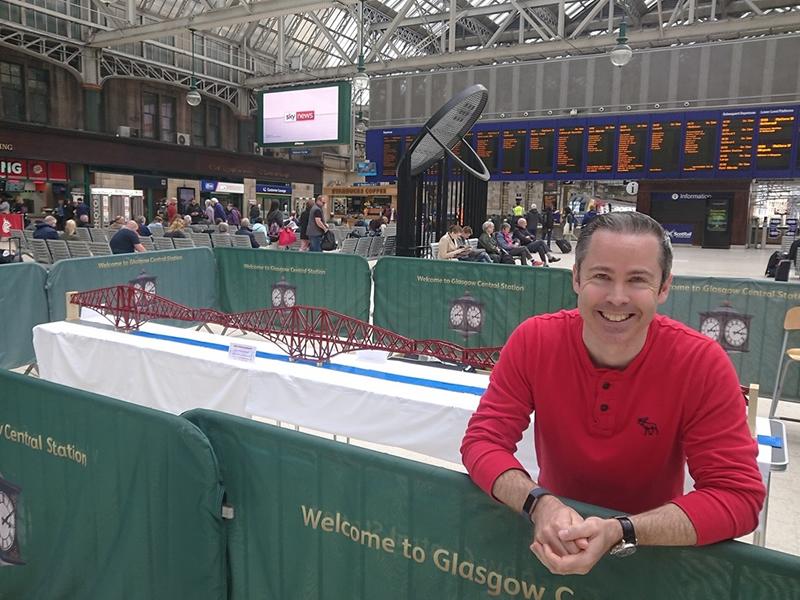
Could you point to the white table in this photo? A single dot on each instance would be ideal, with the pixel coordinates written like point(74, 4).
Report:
point(362, 395)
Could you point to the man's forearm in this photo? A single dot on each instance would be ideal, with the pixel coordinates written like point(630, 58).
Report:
point(512, 488)
point(666, 525)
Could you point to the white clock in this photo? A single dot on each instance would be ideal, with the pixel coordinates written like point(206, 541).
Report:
point(276, 297)
point(289, 298)
point(474, 317)
point(8, 525)
point(710, 327)
point(735, 332)
point(456, 315)
point(150, 287)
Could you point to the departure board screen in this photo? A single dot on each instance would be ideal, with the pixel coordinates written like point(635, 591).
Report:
point(632, 147)
point(774, 141)
point(513, 152)
point(540, 151)
point(391, 154)
point(600, 148)
point(463, 153)
point(569, 155)
point(736, 143)
point(486, 147)
point(665, 146)
point(699, 145)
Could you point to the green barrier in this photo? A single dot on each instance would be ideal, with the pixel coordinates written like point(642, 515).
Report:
point(746, 317)
point(319, 519)
point(110, 500)
point(254, 279)
point(465, 303)
point(184, 276)
point(23, 304)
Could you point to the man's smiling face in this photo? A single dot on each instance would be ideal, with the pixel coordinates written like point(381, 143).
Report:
point(619, 288)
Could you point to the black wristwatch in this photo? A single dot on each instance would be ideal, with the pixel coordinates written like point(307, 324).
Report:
point(530, 502)
point(628, 544)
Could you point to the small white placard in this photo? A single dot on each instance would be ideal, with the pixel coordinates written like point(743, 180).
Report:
point(242, 352)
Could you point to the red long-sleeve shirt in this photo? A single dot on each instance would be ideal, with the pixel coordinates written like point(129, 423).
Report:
point(620, 438)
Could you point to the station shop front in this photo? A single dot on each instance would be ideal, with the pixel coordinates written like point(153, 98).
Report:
point(37, 184)
point(158, 170)
point(350, 203)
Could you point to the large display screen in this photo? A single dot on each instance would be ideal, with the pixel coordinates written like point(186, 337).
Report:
point(305, 115)
point(391, 154)
point(741, 142)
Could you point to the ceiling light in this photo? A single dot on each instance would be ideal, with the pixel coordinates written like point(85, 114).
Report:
point(621, 53)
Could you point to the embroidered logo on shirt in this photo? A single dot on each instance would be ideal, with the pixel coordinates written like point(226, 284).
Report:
point(649, 428)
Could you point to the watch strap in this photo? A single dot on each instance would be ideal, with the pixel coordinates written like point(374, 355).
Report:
point(628, 531)
point(530, 502)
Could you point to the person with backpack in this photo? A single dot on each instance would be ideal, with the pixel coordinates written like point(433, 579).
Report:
point(274, 221)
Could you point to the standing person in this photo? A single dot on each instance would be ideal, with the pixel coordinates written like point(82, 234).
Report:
point(316, 224)
point(303, 225)
point(532, 219)
point(548, 222)
point(234, 216)
point(517, 211)
point(219, 211)
point(82, 209)
point(195, 212)
point(589, 216)
point(126, 240)
point(59, 213)
point(21, 208)
point(569, 221)
point(640, 395)
point(274, 221)
point(255, 212)
point(209, 211)
point(172, 210)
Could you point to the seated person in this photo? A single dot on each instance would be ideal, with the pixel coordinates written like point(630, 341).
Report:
point(46, 229)
point(117, 223)
point(176, 228)
point(83, 221)
point(375, 228)
point(258, 225)
point(144, 230)
point(474, 254)
point(523, 236)
point(126, 240)
point(69, 234)
point(508, 244)
point(487, 242)
point(244, 229)
point(449, 247)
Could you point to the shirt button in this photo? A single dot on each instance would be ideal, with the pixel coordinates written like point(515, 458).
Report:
point(603, 407)
point(606, 385)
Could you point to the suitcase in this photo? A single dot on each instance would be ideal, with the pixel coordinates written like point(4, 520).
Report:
point(564, 246)
point(782, 270)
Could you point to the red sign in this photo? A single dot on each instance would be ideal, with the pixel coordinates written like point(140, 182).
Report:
point(15, 169)
point(57, 171)
point(37, 170)
point(305, 115)
point(9, 222)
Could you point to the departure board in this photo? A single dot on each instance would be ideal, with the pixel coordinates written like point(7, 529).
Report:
point(463, 153)
point(665, 146)
point(774, 141)
point(513, 152)
point(736, 143)
point(486, 147)
point(540, 151)
point(699, 145)
point(632, 147)
point(391, 154)
point(600, 148)
point(569, 153)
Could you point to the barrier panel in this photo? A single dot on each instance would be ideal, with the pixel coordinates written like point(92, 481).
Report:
point(185, 276)
point(319, 519)
point(465, 303)
point(746, 317)
point(103, 499)
point(23, 305)
point(252, 279)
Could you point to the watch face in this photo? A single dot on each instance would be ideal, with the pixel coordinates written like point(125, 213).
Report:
point(7, 522)
point(150, 286)
point(474, 317)
point(623, 549)
point(735, 332)
point(289, 297)
point(276, 297)
point(710, 327)
point(456, 315)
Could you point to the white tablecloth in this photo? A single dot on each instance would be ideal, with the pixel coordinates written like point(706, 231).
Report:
point(361, 395)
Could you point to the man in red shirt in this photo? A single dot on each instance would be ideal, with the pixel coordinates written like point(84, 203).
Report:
point(624, 398)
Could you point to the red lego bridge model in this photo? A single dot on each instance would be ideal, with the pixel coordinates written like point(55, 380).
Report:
point(303, 332)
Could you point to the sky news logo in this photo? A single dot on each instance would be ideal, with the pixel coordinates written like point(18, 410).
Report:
point(300, 115)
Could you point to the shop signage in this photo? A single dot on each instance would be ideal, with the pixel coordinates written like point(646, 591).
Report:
point(37, 170)
point(274, 188)
point(5, 147)
point(384, 190)
point(13, 168)
point(679, 233)
point(222, 187)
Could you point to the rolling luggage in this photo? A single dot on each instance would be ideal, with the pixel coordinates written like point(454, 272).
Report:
point(772, 263)
point(782, 270)
point(564, 246)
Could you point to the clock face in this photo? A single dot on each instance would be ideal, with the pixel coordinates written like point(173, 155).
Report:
point(474, 317)
point(456, 315)
point(289, 297)
point(7, 522)
point(735, 332)
point(150, 286)
point(710, 327)
point(276, 297)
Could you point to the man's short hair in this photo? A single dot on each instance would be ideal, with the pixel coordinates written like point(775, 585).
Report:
point(466, 229)
point(486, 225)
point(244, 222)
point(627, 222)
point(50, 220)
point(454, 228)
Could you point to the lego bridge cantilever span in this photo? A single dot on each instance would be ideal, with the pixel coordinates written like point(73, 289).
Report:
point(303, 332)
